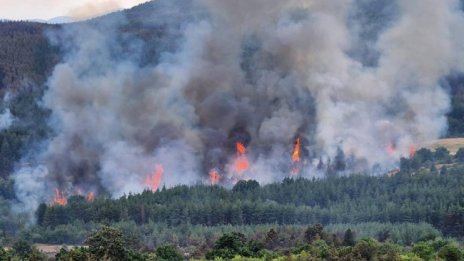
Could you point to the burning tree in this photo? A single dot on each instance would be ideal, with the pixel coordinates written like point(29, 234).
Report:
point(153, 181)
point(214, 177)
point(241, 162)
point(59, 198)
point(296, 157)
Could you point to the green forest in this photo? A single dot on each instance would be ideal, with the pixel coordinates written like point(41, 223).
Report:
point(416, 214)
point(428, 188)
point(313, 242)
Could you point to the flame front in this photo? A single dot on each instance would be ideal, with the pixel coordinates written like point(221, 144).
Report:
point(241, 149)
point(296, 157)
point(241, 162)
point(214, 177)
point(296, 151)
point(59, 198)
point(90, 197)
point(412, 151)
point(391, 149)
point(153, 181)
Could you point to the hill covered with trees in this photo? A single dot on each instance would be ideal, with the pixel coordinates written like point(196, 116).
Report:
point(413, 213)
point(314, 243)
point(422, 201)
point(26, 55)
point(427, 189)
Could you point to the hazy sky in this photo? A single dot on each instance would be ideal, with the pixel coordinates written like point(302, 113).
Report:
point(47, 9)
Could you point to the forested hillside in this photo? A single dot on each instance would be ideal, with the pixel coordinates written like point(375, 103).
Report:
point(456, 115)
point(415, 206)
point(313, 242)
point(429, 188)
point(26, 55)
point(320, 211)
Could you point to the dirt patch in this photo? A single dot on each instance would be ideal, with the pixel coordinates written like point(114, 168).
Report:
point(52, 250)
point(453, 144)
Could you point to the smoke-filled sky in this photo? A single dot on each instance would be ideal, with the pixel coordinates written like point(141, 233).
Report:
point(48, 9)
point(359, 90)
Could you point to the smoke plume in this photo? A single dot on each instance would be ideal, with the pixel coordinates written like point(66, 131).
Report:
point(6, 119)
point(94, 8)
point(258, 73)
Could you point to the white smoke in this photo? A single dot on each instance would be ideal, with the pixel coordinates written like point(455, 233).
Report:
point(6, 119)
point(257, 72)
point(31, 188)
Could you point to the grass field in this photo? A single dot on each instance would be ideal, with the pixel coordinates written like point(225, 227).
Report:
point(452, 144)
point(52, 250)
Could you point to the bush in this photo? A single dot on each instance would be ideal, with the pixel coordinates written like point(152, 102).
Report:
point(366, 249)
point(168, 253)
point(423, 250)
point(348, 238)
point(314, 232)
point(4, 255)
point(36, 255)
point(228, 246)
point(107, 243)
point(76, 254)
point(22, 248)
point(321, 249)
point(450, 252)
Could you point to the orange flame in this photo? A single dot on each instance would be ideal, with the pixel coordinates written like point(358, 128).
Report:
point(296, 151)
point(296, 157)
point(241, 149)
point(412, 151)
point(241, 162)
point(214, 177)
point(153, 181)
point(59, 198)
point(90, 197)
point(391, 149)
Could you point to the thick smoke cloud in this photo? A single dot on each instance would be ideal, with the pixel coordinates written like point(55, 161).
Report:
point(261, 73)
point(6, 119)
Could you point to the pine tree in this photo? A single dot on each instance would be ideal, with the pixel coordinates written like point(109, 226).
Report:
point(348, 238)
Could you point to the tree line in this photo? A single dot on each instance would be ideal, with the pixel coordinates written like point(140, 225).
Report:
point(422, 191)
point(314, 243)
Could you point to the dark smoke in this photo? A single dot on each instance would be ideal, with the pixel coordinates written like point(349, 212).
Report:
point(251, 71)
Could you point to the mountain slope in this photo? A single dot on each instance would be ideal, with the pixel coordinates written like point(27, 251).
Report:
point(26, 57)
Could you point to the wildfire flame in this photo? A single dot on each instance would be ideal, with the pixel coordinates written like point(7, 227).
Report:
point(90, 197)
point(391, 149)
point(296, 151)
point(241, 149)
point(214, 177)
point(241, 162)
point(296, 157)
point(59, 198)
point(153, 181)
point(412, 151)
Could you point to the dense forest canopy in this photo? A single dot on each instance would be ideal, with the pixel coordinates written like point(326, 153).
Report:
point(427, 189)
point(144, 35)
point(417, 206)
point(84, 104)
